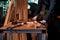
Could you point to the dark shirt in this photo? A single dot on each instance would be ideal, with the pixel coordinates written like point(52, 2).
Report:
point(54, 21)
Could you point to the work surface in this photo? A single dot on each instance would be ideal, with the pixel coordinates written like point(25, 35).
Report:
point(29, 26)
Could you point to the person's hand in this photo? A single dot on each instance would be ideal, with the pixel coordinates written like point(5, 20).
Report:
point(34, 18)
point(39, 25)
point(43, 22)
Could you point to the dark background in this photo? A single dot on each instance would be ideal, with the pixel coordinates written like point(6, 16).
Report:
point(3, 0)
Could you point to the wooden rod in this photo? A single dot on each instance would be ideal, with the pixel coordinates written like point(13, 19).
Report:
point(8, 13)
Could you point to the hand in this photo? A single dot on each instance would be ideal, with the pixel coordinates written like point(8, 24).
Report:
point(34, 18)
point(43, 22)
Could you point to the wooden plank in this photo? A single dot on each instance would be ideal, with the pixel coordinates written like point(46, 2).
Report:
point(19, 9)
point(24, 27)
point(15, 36)
point(25, 10)
point(11, 36)
point(24, 36)
point(8, 13)
point(20, 36)
point(12, 14)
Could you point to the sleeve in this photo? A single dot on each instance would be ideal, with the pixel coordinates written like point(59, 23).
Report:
point(51, 7)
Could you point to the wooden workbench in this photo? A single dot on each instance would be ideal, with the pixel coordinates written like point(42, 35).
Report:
point(29, 26)
point(26, 28)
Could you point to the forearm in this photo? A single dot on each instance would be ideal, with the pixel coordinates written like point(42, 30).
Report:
point(52, 4)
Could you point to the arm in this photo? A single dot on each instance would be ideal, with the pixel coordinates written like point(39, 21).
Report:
point(52, 4)
point(38, 8)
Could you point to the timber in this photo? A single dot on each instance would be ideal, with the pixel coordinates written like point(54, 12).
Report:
point(18, 13)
